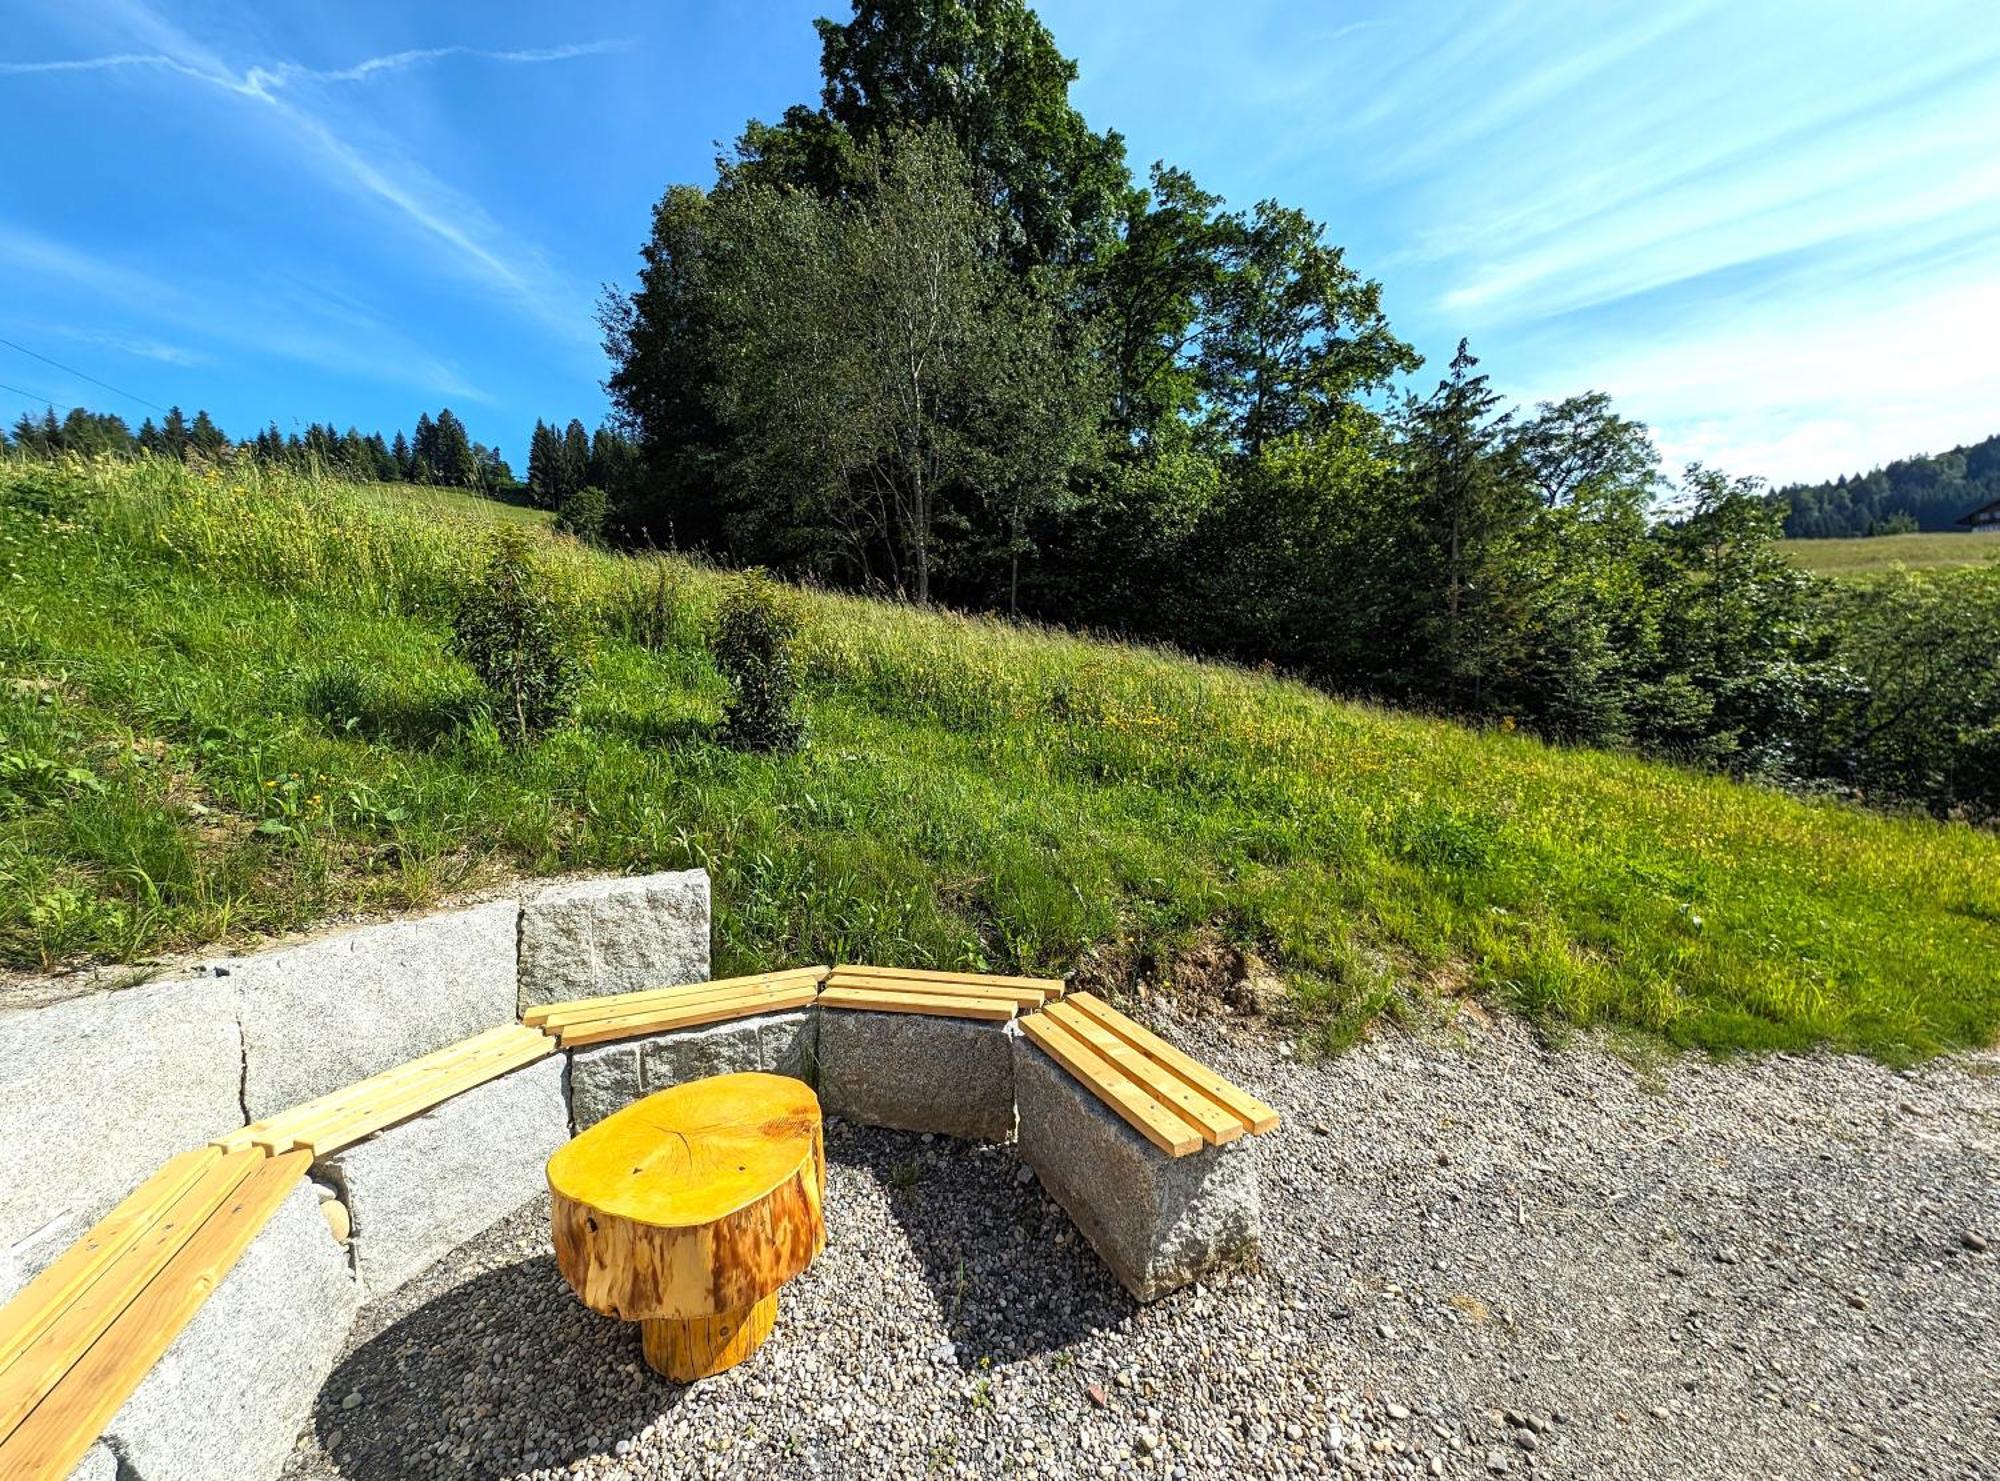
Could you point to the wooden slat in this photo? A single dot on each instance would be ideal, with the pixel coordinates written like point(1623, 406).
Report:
point(50, 1441)
point(418, 1096)
point(1024, 997)
point(671, 998)
point(45, 1297)
point(612, 1003)
point(1255, 1115)
point(937, 1004)
point(1103, 1079)
point(661, 1020)
point(63, 1340)
point(1049, 987)
point(1212, 1122)
point(276, 1132)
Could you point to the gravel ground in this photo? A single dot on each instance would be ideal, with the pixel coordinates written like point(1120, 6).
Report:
point(1480, 1257)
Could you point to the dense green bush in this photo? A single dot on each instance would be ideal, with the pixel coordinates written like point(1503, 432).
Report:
point(754, 641)
point(582, 515)
point(524, 635)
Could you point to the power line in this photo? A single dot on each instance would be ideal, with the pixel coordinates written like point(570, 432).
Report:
point(72, 370)
point(33, 397)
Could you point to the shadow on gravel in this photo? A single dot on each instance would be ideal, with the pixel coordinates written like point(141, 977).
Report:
point(439, 1398)
point(988, 1245)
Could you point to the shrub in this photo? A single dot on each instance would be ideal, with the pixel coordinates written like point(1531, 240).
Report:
point(582, 515)
point(755, 629)
point(524, 634)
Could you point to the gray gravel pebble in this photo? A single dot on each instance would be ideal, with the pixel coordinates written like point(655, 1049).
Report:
point(1503, 1259)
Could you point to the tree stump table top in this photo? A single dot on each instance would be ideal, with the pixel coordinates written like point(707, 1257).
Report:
point(688, 1210)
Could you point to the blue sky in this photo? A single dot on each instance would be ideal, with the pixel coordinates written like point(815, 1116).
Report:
point(1771, 228)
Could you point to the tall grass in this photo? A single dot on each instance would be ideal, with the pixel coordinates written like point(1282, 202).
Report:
point(251, 666)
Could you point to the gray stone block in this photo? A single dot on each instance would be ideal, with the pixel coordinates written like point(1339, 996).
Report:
point(1157, 1221)
point(602, 1078)
point(424, 1187)
point(322, 1015)
point(914, 1072)
point(95, 1094)
point(607, 1077)
point(231, 1394)
point(613, 935)
point(777, 1043)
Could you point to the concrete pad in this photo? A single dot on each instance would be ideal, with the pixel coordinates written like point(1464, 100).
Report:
point(598, 936)
point(231, 1394)
point(422, 1188)
point(322, 1015)
point(1159, 1222)
point(914, 1072)
point(96, 1093)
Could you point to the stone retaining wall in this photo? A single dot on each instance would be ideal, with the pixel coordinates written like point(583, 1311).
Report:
point(96, 1092)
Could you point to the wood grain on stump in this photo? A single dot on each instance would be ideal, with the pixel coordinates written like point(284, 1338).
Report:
point(687, 1210)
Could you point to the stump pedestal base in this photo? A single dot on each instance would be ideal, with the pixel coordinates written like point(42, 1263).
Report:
point(706, 1345)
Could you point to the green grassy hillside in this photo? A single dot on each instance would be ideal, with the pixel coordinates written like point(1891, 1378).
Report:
point(1843, 559)
point(226, 707)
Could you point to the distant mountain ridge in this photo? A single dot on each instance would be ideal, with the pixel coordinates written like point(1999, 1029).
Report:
point(1934, 490)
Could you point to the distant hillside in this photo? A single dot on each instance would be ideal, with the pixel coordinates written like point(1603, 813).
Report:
point(230, 705)
point(1933, 490)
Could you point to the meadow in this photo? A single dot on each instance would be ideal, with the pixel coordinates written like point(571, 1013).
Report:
point(1850, 559)
point(228, 708)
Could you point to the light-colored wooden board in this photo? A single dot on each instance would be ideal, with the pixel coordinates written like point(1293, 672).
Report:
point(421, 1083)
point(1103, 1079)
point(746, 1004)
point(1255, 1115)
point(937, 1004)
point(45, 1297)
point(62, 1342)
point(1022, 997)
point(416, 1098)
point(1049, 987)
point(693, 994)
point(599, 1007)
point(276, 1131)
point(1214, 1124)
point(50, 1441)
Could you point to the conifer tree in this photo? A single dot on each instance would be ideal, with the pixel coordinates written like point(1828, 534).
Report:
point(399, 450)
point(174, 434)
point(575, 458)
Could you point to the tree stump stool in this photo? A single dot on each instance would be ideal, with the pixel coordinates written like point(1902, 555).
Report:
point(686, 1212)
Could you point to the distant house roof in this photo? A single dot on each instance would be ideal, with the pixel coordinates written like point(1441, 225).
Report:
point(1984, 517)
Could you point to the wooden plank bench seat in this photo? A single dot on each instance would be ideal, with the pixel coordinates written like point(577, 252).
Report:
point(586, 1021)
point(1027, 992)
point(77, 1340)
point(360, 1110)
point(1174, 1101)
point(943, 994)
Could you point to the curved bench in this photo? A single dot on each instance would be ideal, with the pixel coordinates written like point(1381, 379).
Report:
point(1141, 1145)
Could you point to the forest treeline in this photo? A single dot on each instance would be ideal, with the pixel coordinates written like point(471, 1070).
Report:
point(561, 463)
point(1930, 492)
point(932, 338)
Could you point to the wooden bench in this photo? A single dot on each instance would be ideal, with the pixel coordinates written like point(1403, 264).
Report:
point(585, 1021)
point(941, 994)
point(360, 1110)
point(1142, 1145)
point(1172, 1100)
point(77, 1340)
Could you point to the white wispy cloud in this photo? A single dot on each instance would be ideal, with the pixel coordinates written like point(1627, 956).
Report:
point(358, 155)
point(265, 81)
